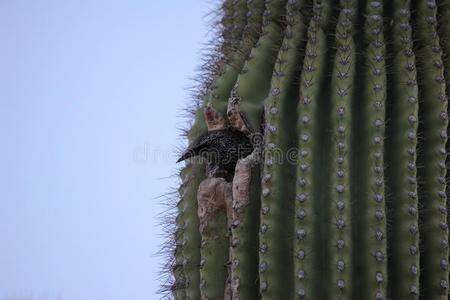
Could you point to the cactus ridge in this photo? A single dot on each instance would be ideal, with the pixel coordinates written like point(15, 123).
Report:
point(348, 197)
point(432, 185)
point(309, 193)
point(342, 90)
point(401, 156)
point(278, 181)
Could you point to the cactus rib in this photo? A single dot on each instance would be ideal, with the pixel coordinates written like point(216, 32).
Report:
point(277, 179)
point(342, 88)
point(432, 187)
point(309, 193)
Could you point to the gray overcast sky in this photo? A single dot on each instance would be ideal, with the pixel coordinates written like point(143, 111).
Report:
point(91, 94)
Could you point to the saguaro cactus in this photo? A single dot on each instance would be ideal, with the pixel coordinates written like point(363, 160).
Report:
point(345, 193)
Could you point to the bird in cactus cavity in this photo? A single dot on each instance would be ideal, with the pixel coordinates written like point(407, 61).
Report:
point(221, 149)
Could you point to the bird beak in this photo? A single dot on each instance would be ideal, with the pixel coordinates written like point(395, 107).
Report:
point(186, 155)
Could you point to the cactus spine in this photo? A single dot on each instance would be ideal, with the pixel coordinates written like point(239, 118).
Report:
point(348, 199)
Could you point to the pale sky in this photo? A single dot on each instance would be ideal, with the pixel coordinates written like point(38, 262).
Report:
point(91, 94)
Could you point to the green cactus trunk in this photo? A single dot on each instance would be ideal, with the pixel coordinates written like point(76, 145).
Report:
point(349, 200)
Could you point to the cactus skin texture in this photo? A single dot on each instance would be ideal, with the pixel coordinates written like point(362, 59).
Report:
point(347, 197)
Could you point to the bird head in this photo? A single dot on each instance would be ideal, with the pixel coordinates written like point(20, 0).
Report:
point(197, 148)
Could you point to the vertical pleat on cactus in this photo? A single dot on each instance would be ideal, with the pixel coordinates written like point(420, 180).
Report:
point(401, 154)
point(432, 174)
point(342, 97)
point(348, 199)
point(309, 197)
point(278, 180)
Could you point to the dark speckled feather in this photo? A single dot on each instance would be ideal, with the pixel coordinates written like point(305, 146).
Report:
point(222, 149)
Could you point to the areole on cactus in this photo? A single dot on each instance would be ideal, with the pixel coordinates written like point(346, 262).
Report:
point(346, 197)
